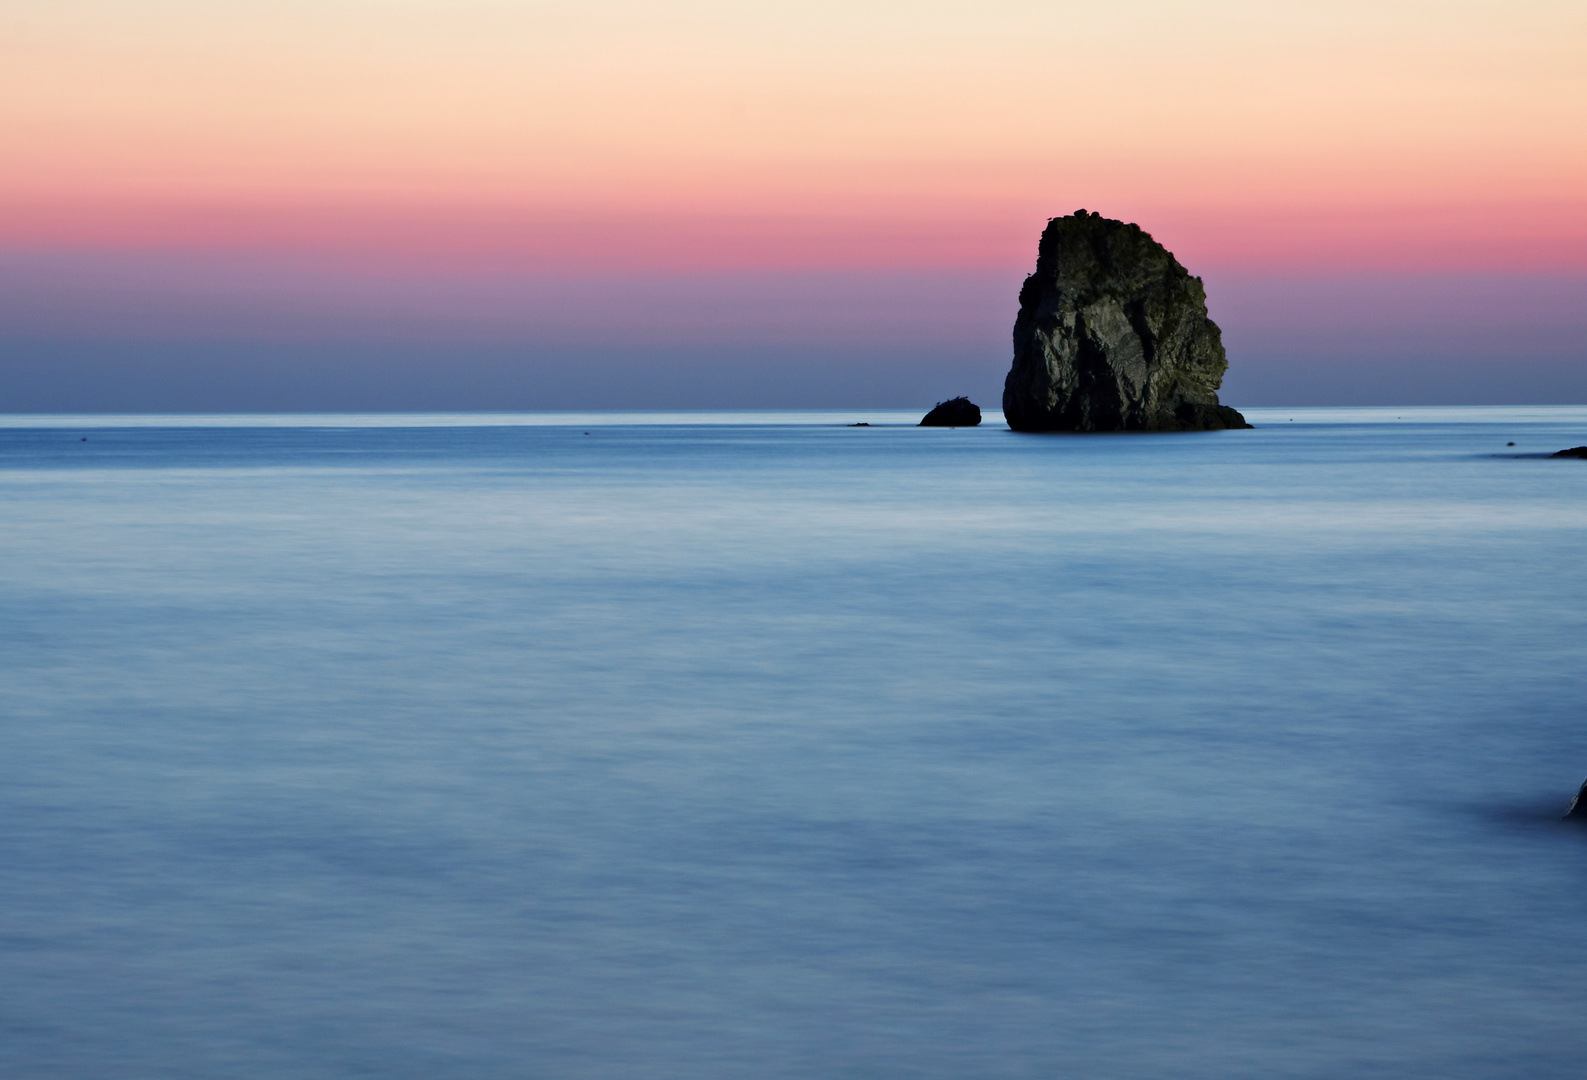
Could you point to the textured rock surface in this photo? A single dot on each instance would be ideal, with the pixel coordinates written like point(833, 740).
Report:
point(1113, 335)
point(958, 412)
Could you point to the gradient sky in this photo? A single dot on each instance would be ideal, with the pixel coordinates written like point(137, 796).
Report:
point(491, 204)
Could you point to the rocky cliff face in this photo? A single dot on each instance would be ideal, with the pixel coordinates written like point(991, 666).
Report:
point(1113, 335)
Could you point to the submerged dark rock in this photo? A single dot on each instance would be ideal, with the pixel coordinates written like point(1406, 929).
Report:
point(1575, 451)
point(957, 412)
point(1577, 811)
point(1113, 335)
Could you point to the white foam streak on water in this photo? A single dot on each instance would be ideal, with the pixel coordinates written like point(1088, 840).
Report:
point(746, 746)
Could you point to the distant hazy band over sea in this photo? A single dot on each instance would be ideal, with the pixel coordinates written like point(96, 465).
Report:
point(687, 746)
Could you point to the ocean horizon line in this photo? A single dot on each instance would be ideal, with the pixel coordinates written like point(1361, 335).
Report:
point(729, 417)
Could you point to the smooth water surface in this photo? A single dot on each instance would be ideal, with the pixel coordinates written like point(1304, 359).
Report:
point(733, 746)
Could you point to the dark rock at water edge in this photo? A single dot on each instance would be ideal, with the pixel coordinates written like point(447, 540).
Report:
point(1113, 335)
point(958, 412)
point(1577, 811)
point(1575, 451)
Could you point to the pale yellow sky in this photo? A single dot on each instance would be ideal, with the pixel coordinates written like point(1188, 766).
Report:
point(869, 108)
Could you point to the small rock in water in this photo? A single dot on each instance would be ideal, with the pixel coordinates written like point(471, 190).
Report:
point(862, 423)
point(1575, 451)
point(1578, 806)
point(957, 412)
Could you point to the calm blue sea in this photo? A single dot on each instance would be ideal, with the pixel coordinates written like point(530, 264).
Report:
point(712, 746)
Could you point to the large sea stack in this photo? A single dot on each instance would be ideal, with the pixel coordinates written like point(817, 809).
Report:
point(1113, 335)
